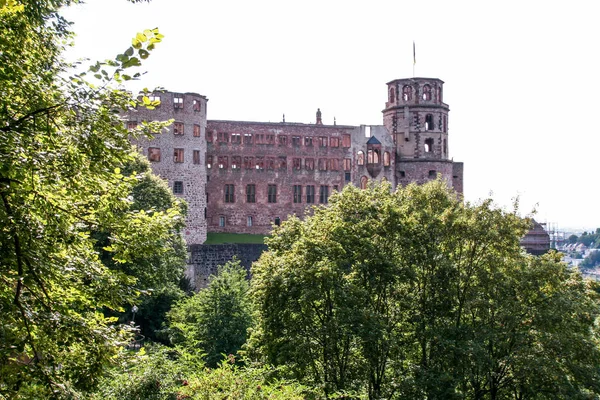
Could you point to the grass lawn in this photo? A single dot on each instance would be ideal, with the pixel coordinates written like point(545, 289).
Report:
point(221, 238)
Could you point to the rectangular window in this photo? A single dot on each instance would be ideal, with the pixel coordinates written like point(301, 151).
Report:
point(260, 163)
point(335, 188)
point(297, 164)
point(334, 142)
point(221, 221)
point(297, 194)
point(296, 141)
point(197, 131)
point(251, 193)
point(209, 136)
point(236, 138)
point(282, 140)
point(154, 98)
point(178, 187)
point(209, 161)
point(322, 164)
point(346, 140)
point(348, 176)
point(178, 101)
point(310, 194)
point(282, 163)
point(272, 193)
point(178, 128)
point(196, 156)
point(223, 162)
point(154, 154)
point(334, 164)
point(229, 194)
point(347, 164)
point(308, 141)
point(247, 138)
point(270, 163)
point(249, 162)
point(249, 221)
point(323, 194)
point(322, 141)
point(178, 155)
point(309, 164)
point(131, 125)
point(196, 105)
point(222, 137)
point(236, 162)
point(270, 139)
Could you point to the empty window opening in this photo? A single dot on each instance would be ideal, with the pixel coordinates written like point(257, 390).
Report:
point(282, 140)
point(260, 163)
point(236, 138)
point(386, 158)
point(322, 164)
point(247, 138)
point(296, 141)
point(178, 128)
point(270, 163)
point(360, 158)
point(348, 176)
point(197, 131)
point(322, 141)
point(308, 141)
point(392, 95)
point(297, 194)
point(178, 187)
point(334, 142)
point(229, 193)
point(347, 164)
point(131, 125)
point(277, 221)
point(249, 162)
point(309, 164)
point(236, 162)
point(209, 137)
point(196, 105)
point(346, 140)
point(178, 101)
point(272, 193)
point(323, 194)
point(445, 147)
point(196, 156)
point(432, 173)
point(222, 137)
point(428, 145)
point(221, 221)
point(282, 163)
point(178, 155)
point(429, 122)
point(310, 194)
point(249, 221)
point(427, 92)
point(373, 156)
point(251, 193)
point(445, 127)
point(402, 174)
point(223, 162)
point(334, 164)
point(407, 93)
point(297, 164)
point(367, 131)
point(154, 154)
point(363, 182)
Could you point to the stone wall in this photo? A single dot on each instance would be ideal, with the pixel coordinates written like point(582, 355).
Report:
point(205, 259)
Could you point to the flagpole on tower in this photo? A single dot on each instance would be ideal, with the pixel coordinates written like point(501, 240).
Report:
point(414, 58)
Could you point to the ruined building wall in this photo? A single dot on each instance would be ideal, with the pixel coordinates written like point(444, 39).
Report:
point(177, 154)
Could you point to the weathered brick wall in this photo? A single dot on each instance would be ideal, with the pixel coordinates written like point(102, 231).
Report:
point(191, 173)
point(205, 259)
point(236, 213)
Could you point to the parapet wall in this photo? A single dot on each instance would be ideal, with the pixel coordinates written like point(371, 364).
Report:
point(204, 259)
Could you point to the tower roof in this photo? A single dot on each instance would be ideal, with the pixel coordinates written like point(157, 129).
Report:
point(373, 140)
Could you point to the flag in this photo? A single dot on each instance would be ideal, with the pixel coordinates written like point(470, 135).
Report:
point(414, 54)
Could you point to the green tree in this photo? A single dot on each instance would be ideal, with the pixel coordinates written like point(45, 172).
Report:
point(62, 146)
point(592, 260)
point(572, 239)
point(414, 294)
point(215, 320)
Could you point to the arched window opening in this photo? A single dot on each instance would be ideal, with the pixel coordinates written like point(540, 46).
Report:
point(392, 95)
point(426, 92)
point(376, 156)
point(429, 122)
point(361, 158)
point(386, 158)
point(407, 93)
point(373, 156)
point(428, 145)
point(363, 182)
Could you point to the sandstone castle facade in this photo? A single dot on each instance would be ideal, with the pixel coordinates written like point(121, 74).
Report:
point(242, 177)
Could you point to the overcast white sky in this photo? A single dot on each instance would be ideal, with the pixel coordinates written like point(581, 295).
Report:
point(521, 77)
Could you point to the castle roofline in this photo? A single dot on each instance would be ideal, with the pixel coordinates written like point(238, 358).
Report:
point(416, 78)
point(301, 124)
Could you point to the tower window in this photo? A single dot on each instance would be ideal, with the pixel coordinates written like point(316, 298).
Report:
point(407, 91)
point(196, 156)
point(392, 95)
point(197, 131)
point(427, 92)
point(196, 105)
point(428, 145)
point(429, 122)
point(178, 155)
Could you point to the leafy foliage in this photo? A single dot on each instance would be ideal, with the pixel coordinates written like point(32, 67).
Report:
point(413, 294)
point(62, 147)
point(214, 321)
